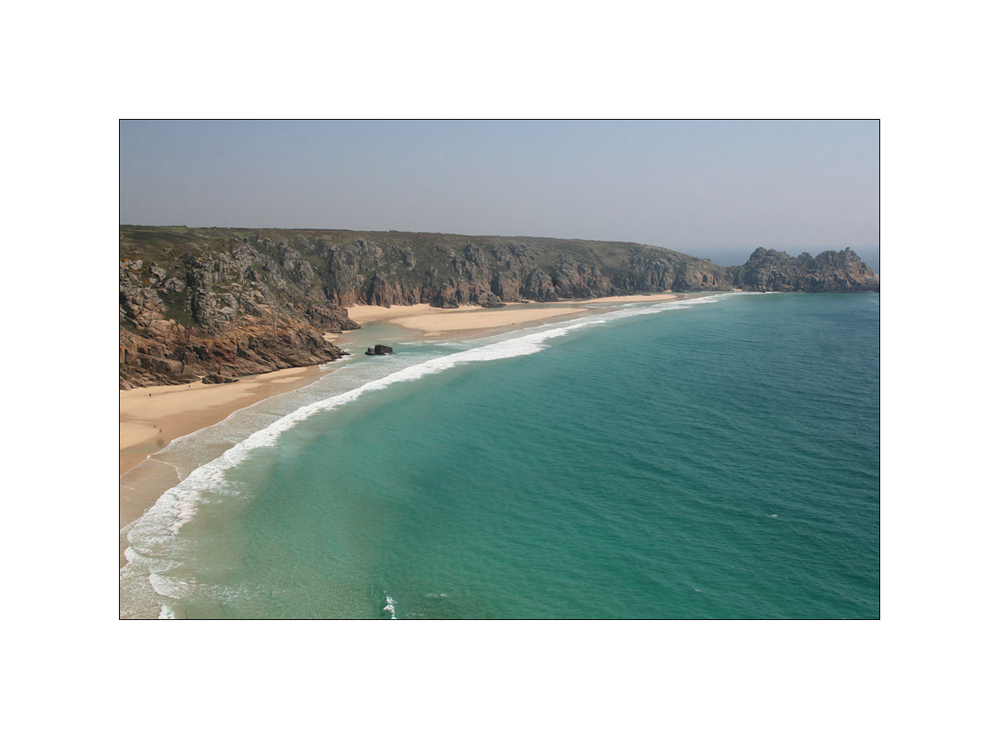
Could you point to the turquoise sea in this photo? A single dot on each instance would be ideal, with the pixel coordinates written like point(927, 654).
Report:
point(714, 457)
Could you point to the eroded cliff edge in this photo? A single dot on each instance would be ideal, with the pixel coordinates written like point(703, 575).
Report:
point(230, 302)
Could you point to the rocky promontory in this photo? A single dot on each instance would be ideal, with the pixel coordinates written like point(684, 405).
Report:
point(830, 271)
point(222, 303)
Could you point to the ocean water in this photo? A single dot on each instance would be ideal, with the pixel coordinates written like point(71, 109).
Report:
point(716, 457)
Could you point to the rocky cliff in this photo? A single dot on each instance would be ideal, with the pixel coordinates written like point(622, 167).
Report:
point(209, 306)
point(830, 271)
point(230, 302)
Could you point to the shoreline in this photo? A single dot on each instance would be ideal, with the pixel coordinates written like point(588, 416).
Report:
point(436, 321)
point(151, 418)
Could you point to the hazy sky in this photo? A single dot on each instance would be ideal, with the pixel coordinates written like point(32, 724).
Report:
point(716, 189)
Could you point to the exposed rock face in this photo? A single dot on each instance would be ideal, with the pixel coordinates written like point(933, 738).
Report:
point(170, 353)
point(217, 311)
point(379, 350)
point(229, 302)
point(830, 271)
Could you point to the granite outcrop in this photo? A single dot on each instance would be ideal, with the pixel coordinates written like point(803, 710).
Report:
point(830, 271)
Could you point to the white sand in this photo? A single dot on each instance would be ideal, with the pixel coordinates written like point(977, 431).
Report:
point(149, 418)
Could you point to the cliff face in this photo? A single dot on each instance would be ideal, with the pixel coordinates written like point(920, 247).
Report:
point(231, 302)
point(830, 271)
point(216, 308)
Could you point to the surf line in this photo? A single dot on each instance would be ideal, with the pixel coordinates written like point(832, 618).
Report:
point(178, 505)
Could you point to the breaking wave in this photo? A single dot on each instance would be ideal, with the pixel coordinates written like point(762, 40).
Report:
point(150, 557)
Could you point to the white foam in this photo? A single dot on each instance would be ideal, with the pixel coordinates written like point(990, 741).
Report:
point(390, 606)
point(180, 504)
point(166, 586)
point(328, 365)
point(177, 506)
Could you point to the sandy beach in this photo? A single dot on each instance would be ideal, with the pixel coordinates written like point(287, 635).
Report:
point(435, 320)
point(150, 418)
